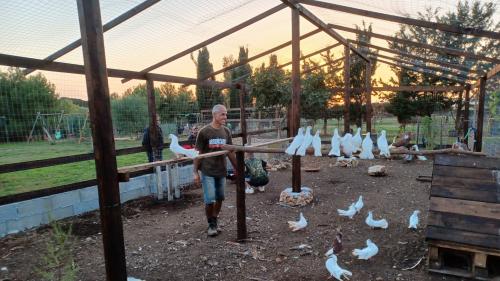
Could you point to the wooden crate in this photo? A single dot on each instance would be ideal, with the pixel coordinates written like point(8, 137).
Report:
point(464, 215)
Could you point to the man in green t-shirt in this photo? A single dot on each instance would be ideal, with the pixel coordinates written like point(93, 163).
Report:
point(213, 169)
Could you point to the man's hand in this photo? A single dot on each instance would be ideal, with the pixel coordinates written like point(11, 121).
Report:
point(196, 179)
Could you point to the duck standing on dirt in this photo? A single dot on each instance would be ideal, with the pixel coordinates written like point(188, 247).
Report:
point(375, 223)
point(369, 251)
point(306, 142)
point(335, 270)
point(296, 142)
point(335, 142)
point(298, 225)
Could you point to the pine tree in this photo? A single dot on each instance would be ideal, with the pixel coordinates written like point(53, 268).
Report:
point(207, 96)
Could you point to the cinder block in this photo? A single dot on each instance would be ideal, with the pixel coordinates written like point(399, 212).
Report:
point(32, 221)
point(61, 213)
point(34, 206)
point(12, 226)
point(65, 199)
point(133, 194)
point(136, 183)
point(86, 206)
point(3, 229)
point(8, 212)
point(89, 194)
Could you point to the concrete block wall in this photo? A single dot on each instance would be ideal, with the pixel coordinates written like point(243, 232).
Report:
point(20, 216)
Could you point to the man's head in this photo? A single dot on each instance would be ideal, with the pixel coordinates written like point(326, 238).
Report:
point(219, 115)
point(158, 122)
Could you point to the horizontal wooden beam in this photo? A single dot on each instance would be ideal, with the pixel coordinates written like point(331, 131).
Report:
point(416, 88)
point(433, 48)
point(494, 71)
point(17, 61)
point(323, 26)
point(312, 54)
point(212, 39)
point(411, 56)
point(405, 20)
point(114, 22)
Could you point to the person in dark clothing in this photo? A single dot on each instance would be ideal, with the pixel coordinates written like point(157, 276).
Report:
point(147, 143)
point(256, 174)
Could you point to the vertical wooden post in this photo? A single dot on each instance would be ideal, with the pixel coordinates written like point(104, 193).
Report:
point(480, 114)
point(243, 121)
point(240, 197)
point(459, 119)
point(466, 110)
point(94, 58)
point(153, 125)
point(296, 174)
point(368, 86)
point(347, 90)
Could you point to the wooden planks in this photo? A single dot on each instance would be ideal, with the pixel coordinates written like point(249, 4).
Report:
point(465, 223)
point(465, 207)
point(471, 162)
point(464, 172)
point(463, 237)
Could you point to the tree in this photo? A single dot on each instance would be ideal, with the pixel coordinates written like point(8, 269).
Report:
point(240, 74)
point(206, 96)
point(271, 85)
point(130, 111)
point(174, 102)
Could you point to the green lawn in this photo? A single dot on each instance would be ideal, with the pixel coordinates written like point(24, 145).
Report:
point(35, 179)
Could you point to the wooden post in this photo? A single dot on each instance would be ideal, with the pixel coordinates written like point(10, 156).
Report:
point(243, 122)
point(368, 85)
point(296, 174)
point(347, 94)
point(480, 114)
point(240, 197)
point(153, 125)
point(466, 111)
point(459, 119)
point(94, 58)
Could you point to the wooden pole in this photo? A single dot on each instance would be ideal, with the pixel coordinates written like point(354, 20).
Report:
point(153, 125)
point(240, 197)
point(368, 85)
point(480, 115)
point(347, 93)
point(243, 122)
point(296, 174)
point(459, 118)
point(102, 136)
point(466, 111)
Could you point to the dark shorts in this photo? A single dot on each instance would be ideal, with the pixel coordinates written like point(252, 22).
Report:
point(213, 188)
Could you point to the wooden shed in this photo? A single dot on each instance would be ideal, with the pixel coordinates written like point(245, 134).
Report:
point(463, 228)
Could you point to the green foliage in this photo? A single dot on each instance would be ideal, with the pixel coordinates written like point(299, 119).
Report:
point(130, 112)
point(206, 96)
point(239, 74)
point(427, 131)
point(271, 85)
point(174, 102)
point(58, 263)
point(494, 102)
point(315, 96)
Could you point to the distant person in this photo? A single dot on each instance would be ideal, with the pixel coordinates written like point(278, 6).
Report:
point(147, 144)
point(213, 169)
point(191, 141)
point(256, 174)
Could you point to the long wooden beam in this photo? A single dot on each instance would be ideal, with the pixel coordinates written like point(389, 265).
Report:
point(428, 67)
point(270, 51)
point(311, 54)
point(17, 61)
point(494, 71)
point(319, 23)
point(112, 23)
point(421, 70)
point(322, 65)
point(212, 39)
point(408, 55)
point(405, 20)
point(437, 49)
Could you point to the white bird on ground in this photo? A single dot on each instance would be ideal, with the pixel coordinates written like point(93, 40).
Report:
point(359, 204)
point(375, 223)
point(335, 151)
point(414, 219)
point(298, 225)
point(308, 138)
point(419, 157)
point(177, 149)
point(367, 147)
point(382, 145)
point(357, 140)
point(347, 146)
point(349, 212)
point(368, 252)
point(297, 140)
point(316, 143)
point(335, 270)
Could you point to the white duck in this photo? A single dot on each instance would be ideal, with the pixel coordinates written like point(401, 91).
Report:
point(414, 219)
point(297, 140)
point(335, 270)
point(359, 204)
point(335, 151)
point(367, 147)
point(375, 223)
point(357, 140)
point(347, 146)
point(382, 145)
point(316, 143)
point(419, 157)
point(177, 149)
point(308, 138)
point(368, 252)
point(349, 212)
point(298, 225)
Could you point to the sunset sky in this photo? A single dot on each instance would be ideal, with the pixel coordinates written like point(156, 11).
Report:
point(35, 28)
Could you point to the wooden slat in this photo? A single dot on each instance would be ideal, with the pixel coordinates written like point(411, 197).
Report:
point(466, 189)
point(463, 172)
point(468, 161)
point(463, 237)
point(493, 71)
point(463, 222)
point(462, 247)
point(465, 207)
point(311, 54)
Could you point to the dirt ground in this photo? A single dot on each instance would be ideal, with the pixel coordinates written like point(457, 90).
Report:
point(168, 241)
